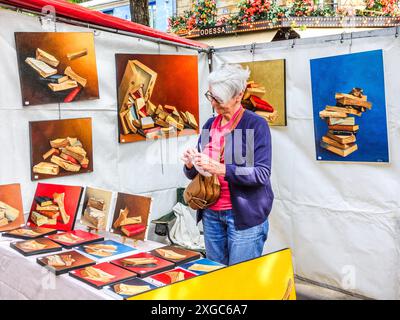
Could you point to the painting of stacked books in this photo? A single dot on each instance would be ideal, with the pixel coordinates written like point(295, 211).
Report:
point(11, 210)
point(61, 148)
point(266, 90)
point(56, 67)
point(157, 96)
point(64, 262)
point(350, 108)
point(131, 216)
point(96, 208)
point(55, 206)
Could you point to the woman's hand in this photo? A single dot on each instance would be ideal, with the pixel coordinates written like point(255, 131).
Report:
point(187, 157)
point(209, 165)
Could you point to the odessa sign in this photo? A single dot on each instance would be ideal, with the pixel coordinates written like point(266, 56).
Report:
point(212, 31)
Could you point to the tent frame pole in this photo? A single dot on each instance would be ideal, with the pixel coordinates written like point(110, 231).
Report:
point(341, 37)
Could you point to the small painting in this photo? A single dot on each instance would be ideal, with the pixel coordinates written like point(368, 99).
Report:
point(96, 208)
point(64, 262)
point(55, 206)
point(28, 233)
point(103, 274)
point(144, 264)
point(35, 246)
point(202, 266)
point(176, 255)
point(105, 250)
point(130, 288)
point(170, 277)
point(131, 216)
point(75, 238)
point(60, 148)
point(11, 210)
point(266, 90)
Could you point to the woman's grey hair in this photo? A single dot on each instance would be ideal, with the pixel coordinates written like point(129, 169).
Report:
point(228, 81)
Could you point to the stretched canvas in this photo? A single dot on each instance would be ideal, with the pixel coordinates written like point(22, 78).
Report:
point(56, 67)
point(266, 90)
point(96, 208)
point(55, 206)
point(157, 96)
point(348, 93)
point(75, 238)
point(35, 246)
point(60, 148)
point(64, 262)
point(102, 274)
point(11, 210)
point(131, 216)
point(130, 288)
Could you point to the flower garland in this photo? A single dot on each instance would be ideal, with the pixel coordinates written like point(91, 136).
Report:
point(177, 23)
point(204, 13)
point(374, 8)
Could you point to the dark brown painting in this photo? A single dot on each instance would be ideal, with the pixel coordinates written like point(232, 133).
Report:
point(175, 254)
point(56, 67)
point(65, 261)
point(61, 148)
point(11, 210)
point(131, 216)
point(157, 96)
point(35, 246)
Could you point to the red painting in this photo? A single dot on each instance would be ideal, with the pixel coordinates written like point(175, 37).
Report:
point(144, 264)
point(173, 276)
point(75, 238)
point(55, 206)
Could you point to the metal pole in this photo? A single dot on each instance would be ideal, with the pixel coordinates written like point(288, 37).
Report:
point(284, 44)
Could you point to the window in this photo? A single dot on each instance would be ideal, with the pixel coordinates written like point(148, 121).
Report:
point(109, 11)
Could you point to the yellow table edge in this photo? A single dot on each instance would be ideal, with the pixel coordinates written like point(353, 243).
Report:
point(269, 277)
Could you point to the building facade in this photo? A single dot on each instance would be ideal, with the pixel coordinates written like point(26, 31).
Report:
point(226, 7)
point(159, 10)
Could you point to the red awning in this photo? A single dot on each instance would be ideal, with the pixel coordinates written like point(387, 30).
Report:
point(76, 12)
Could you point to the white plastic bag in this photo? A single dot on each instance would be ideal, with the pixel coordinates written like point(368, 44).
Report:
point(185, 231)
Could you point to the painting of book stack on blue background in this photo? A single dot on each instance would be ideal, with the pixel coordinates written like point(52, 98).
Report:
point(349, 107)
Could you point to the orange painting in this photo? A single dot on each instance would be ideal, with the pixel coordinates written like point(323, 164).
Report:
point(61, 148)
point(11, 210)
point(56, 67)
point(157, 96)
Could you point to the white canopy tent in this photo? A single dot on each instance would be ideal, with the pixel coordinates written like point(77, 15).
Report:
point(340, 219)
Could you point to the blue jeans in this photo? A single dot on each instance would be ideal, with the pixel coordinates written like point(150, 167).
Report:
point(225, 244)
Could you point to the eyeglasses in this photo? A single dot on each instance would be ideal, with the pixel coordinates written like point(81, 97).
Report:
point(210, 97)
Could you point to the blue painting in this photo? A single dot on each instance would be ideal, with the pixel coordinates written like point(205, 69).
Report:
point(130, 288)
point(349, 107)
point(202, 266)
point(103, 250)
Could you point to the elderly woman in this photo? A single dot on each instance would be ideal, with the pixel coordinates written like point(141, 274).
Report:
point(236, 225)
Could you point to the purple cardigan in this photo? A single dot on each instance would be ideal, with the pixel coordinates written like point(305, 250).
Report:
point(249, 184)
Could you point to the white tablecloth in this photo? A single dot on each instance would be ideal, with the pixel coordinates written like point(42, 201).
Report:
point(23, 278)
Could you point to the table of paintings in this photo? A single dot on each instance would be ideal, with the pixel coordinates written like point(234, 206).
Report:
point(21, 277)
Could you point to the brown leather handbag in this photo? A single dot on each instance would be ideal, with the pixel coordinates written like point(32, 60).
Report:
point(202, 191)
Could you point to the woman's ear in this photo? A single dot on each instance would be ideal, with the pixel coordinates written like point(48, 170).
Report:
point(240, 96)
